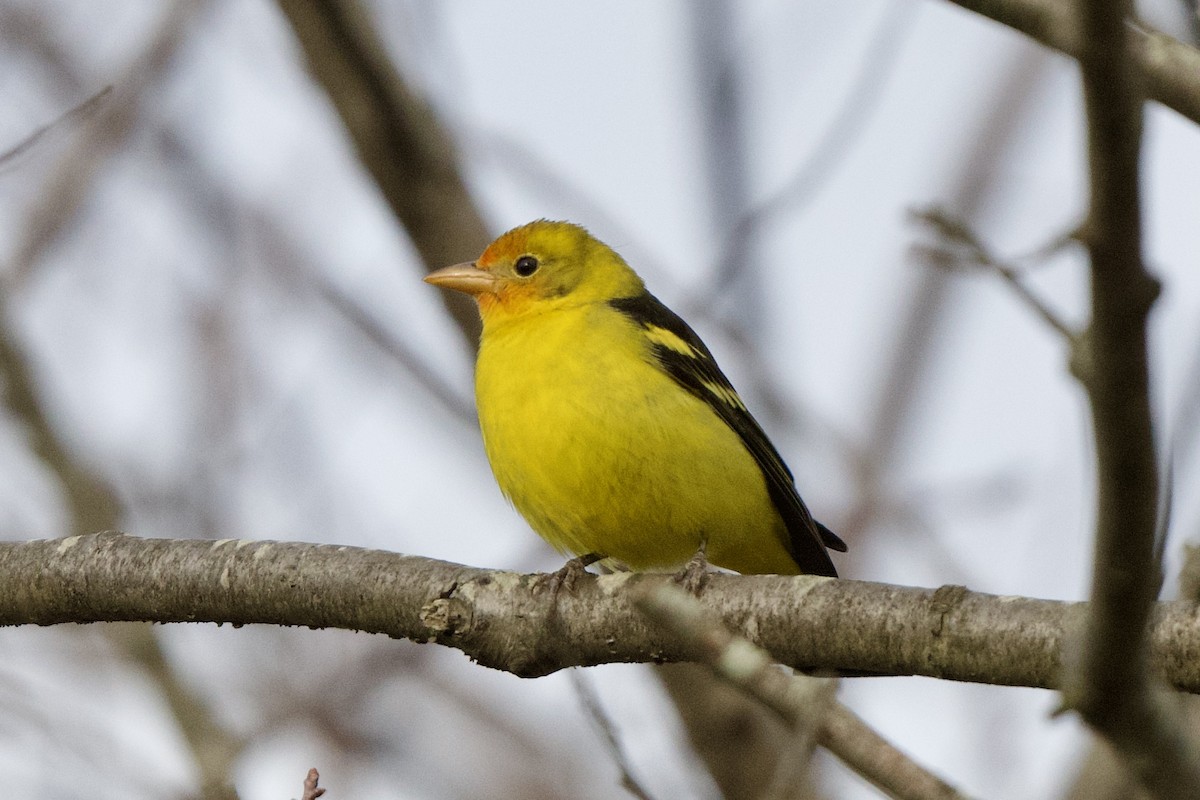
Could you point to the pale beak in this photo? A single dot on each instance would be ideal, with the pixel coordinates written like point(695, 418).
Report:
point(465, 277)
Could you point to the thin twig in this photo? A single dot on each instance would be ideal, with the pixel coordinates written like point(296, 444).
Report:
point(878, 760)
point(608, 732)
point(76, 112)
point(836, 143)
point(418, 368)
point(965, 249)
point(102, 135)
point(913, 343)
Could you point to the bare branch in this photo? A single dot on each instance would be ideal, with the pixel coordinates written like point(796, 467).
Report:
point(77, 112)
point(608, 731)
point(876, 759)
point(399, 139)
point(105, 131)
point(462, 408)
point(965, 249)
point(1169, 69)
point(499, 620)
point(836, 143)
point(1111, 685)
point(804, 702)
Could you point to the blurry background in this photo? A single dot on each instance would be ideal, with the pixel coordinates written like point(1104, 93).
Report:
point(214, 326)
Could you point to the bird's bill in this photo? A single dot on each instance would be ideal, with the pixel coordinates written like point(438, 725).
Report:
point(464, 277)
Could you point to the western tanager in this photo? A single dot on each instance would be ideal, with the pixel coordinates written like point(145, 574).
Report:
point(609, 425)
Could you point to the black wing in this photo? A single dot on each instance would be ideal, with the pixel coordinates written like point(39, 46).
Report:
point(696, 371)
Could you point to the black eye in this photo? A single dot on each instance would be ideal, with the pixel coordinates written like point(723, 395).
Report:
point(525, 266)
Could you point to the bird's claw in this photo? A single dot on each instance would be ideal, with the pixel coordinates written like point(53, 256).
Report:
point(695, 572)
point(565, 577)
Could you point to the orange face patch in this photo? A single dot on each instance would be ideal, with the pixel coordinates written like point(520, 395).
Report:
point(505, 249)
point(510, 300)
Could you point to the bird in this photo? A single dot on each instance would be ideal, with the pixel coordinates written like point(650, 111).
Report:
point(608, 424)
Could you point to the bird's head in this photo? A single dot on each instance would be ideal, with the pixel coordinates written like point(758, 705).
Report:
point(539, 267)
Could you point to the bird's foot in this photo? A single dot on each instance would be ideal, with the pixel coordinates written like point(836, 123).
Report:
point(566, 576)
point(695, 572)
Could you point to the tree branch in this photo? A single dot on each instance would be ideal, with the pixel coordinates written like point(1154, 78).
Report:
point(961, 247)
point(1168, 68)
point(1111, 685)
point(399, 139)
point(498, 619)
point(804, 702)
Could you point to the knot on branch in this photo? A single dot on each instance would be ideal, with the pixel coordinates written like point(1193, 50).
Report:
point(447, 618)
point(943, 603)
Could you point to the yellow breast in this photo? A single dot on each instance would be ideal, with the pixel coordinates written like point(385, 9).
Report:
point(603, 453)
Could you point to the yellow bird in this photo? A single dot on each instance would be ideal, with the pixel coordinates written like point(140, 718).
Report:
point(608, 424)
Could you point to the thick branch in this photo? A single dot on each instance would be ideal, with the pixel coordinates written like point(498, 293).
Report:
point(1111, 686)
point(499, 620)
point(1168, 68)
point(1116, 375)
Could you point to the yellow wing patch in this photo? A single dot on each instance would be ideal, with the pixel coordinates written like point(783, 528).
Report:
point(677, 344)
point(725, 394)
point(671, 341)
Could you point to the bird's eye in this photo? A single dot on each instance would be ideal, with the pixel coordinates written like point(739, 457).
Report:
point(525, 266)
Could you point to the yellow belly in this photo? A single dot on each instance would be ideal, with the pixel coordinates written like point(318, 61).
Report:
point(603, 453)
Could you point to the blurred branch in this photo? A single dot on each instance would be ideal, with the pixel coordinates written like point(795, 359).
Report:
point(1189, 574)
point(287, 256)
point(1111, 685)
point(878, 760)
point(77, 112)
point(499, 619)
point(398, 137)
point(800, 701)
point(608, 732)
point(750, 747)
point(103, 134)
point(837, 141)
point(214, 748)
point(462, 408)
point(92, 504)
point(961, 247)
point(1168, 68)
point(805, 703)
point(741, 744)
point(294, 260)
point(90, 500)
point(821, 164)
point(912, 348)
point(724, 156)
point(1102, 776)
